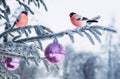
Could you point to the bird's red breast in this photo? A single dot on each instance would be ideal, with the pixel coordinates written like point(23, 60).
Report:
point(75, 22)
point(23, 20)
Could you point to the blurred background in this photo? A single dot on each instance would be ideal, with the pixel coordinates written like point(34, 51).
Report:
point(83, 60)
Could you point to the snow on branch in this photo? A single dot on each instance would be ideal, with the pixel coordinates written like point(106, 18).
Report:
point(43, 33)
point(25, 6)
point(94, 30)
point(27, 52)
point(37, 3)
point(18, 48)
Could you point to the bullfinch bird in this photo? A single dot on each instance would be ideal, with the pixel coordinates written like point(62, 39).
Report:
point(22, 20)
point(78, 20)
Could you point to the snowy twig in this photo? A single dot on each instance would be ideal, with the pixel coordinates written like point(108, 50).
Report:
point(20, 50)
point(6, 12)
point(68, 32)
point(37, 3)
point(25, 6)
point(44, 5)
point(26, 28)
point(43, 33)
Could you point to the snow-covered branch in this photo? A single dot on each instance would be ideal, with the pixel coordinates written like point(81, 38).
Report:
point(95, 30)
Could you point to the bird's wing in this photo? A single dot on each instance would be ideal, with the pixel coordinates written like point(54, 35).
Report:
point(78, 17)
point(17, 19)
point(84, 18)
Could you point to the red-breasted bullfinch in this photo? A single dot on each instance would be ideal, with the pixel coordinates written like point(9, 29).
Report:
point(22, 19)
point(78, 20)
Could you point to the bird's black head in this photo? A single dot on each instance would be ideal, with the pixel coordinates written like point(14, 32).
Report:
point(71, 14)
point(25, 12)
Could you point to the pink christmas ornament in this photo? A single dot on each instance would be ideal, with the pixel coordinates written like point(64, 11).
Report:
point(11, 63)
point(55, 52)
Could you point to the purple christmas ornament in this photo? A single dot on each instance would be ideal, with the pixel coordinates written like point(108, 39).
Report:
point(55, 52)
point(11, 63)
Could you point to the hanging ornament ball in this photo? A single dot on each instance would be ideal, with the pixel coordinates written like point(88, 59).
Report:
point(11, 63)
point(55, 53)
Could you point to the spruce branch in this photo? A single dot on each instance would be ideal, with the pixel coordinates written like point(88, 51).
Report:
point(4, 52)
point(95, 35)
point(40, 30)
point(1, 16)
point(37, 3)
point(25, 6)
point(6, 12)
point(43, 33)
point(97, 31)
point(51, 35)
point(5, 15)
point(40, 44)
point(88, 36)
point(25, 31)
point(46, 64)
point(4, 3)
point(44, 4)
point(79, 33)
point(69, 33)
point(21, 50)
